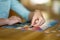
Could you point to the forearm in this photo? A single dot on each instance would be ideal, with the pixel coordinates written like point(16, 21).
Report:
point(20, 9)
point(3, 21)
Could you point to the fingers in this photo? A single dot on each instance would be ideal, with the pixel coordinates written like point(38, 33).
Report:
point(33, 20)
point(15, 18)
point(40, 22)
point(40, 18)
point(11, 22)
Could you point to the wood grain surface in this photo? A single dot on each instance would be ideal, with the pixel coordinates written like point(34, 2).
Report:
point(13, 34)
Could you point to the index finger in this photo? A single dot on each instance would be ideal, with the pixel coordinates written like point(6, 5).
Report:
point(33, 21)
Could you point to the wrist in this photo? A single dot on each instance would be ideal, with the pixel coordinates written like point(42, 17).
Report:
point(31, 15)
point(7, 21)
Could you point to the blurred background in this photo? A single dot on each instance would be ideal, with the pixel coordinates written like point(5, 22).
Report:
point(50, 7)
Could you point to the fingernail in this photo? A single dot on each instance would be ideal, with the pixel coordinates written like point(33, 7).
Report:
point(31, 26)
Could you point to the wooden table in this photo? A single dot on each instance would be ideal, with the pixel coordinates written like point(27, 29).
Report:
point(13, 34)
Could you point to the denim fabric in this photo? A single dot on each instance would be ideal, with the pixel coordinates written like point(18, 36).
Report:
point(6, 5)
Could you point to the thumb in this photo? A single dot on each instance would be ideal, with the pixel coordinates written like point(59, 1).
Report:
point(33, 21)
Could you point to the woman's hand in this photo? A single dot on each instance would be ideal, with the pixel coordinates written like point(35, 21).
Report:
point(13, 20)
point(37, 19)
